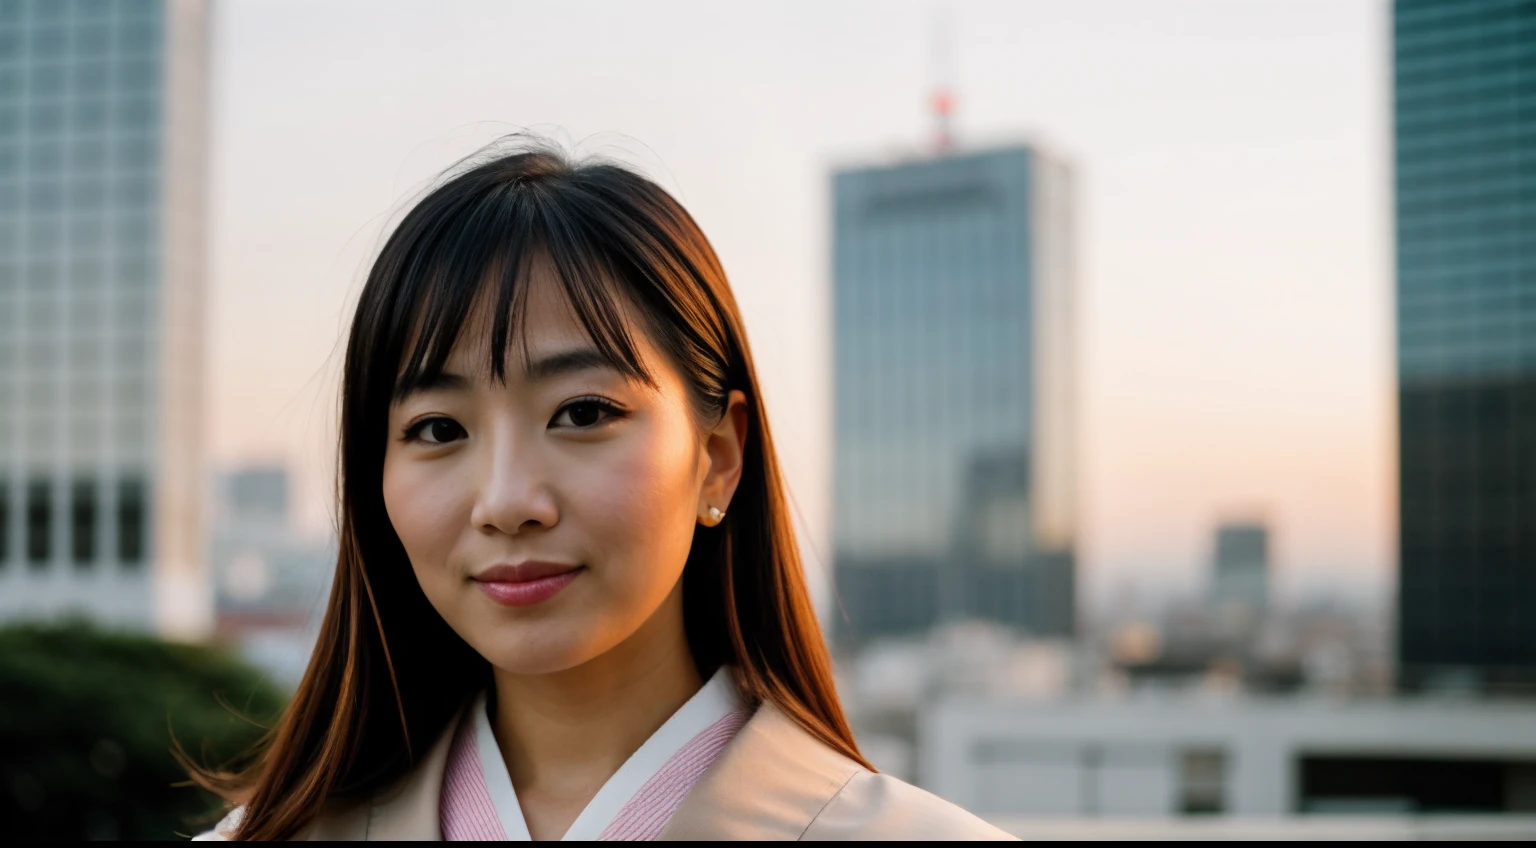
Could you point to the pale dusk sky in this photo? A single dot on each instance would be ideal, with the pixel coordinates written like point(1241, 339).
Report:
point(1233, 219)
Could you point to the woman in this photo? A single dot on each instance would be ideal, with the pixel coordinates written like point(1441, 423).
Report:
point(567, 602)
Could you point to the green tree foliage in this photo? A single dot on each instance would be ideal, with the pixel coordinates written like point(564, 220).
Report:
point(86, 723)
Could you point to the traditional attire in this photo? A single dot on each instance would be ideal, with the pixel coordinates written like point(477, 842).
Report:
point(715, 770)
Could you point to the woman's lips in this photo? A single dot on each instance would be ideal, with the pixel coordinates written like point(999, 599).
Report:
point(526, 583)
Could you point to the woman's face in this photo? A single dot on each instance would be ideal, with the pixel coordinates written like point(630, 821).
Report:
point(548, 518)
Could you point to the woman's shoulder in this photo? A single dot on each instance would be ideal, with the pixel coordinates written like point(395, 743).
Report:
point(777, 781)
point(878, 806)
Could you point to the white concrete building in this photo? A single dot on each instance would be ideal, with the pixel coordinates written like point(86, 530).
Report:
point(102, 163)
point(1151, 758)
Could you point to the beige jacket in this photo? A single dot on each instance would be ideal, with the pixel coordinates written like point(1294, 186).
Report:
point(774, 781)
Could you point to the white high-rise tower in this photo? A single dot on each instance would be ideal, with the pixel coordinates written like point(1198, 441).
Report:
point(102, 166)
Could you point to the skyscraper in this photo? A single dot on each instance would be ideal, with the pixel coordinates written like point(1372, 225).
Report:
point(1465, 137)
point(954, 479)
point(102, 125)
point(1240, 569)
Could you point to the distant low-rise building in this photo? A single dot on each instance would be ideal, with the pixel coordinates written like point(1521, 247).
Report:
point(270, 579)
point(1240, 566)
point(1162, 757)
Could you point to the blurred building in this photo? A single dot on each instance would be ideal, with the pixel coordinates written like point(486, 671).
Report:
point(1150, 758)
point(270, 579)
point(102, 126)
point(954, 429)
point(1465, 132)
point(1240, 567)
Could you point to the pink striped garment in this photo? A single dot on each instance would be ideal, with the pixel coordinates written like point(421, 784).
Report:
point(642, 818)
point(466, 811)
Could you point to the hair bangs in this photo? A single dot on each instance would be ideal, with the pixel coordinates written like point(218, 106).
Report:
point(474, 264)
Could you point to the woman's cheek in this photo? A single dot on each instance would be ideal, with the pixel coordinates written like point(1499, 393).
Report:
point(641, 507)
point(423, 515)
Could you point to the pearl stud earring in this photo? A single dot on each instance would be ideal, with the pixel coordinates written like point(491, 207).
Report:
point(716, 515)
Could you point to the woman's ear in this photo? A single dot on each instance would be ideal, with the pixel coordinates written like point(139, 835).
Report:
point(724, 446)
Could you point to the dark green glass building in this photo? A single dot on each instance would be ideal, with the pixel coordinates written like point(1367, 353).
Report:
point(1465, 143)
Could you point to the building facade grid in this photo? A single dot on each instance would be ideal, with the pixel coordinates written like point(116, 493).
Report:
point(1465, 194)
point(88, 301)
point(952, 406)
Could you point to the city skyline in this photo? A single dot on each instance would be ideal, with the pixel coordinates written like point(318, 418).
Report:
point(1236, 345)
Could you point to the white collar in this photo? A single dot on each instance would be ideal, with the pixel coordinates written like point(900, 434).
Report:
point(715, 700)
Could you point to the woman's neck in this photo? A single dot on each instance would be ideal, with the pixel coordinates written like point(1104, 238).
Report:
point(564, 734)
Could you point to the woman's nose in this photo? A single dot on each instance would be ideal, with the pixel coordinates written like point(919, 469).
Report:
point(512, 495)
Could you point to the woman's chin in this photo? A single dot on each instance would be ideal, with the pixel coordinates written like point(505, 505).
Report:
point(537, 649)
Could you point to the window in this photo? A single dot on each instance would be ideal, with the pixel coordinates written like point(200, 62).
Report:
point(130, 390)
point(39, 523)
point(89, 194)
point(47, 42)
point(134, 192)
point(47, 117)
point(139, 36)
point(86, 233)
point(133, 272)
point(91, 40)
point(132, 311)
point(48, 11)
point(10, 43)
point(131, 515)
point(138, 75)
point(43, 310)
point(47, 81)
point(82, 519)
point(137, 152)
point(85, 314)
point(43, 236)
point(88, 116)
point(129, 433)
point(92, 9)
point(85, 352)
point(139, 113)
point(88, 155)
point(45, 197)
point(85, 429)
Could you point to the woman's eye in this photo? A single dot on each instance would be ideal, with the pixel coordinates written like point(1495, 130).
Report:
point(583, 413)
point(435, 431)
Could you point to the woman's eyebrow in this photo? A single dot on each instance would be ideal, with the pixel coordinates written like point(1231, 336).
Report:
point(441, 381)
point(566, 362)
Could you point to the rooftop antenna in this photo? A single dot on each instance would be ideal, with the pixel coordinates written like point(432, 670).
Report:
point(941, 101)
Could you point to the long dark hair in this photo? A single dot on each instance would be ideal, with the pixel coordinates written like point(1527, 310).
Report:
point(388, 675)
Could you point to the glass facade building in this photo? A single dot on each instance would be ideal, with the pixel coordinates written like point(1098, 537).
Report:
point(1240, 567)
point(102, 125)
point(953, 348)
point(1465, 169)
